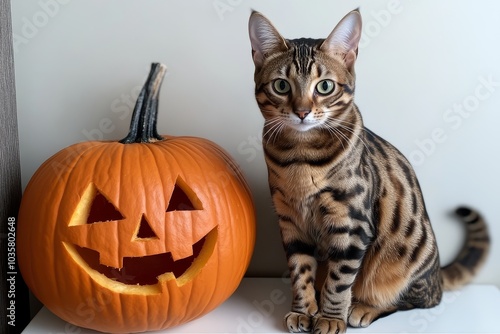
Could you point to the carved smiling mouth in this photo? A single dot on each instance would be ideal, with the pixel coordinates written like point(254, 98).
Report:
point(142, 270)
point(142, 275)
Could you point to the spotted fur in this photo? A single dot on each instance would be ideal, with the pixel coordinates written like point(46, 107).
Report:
point(353, 222)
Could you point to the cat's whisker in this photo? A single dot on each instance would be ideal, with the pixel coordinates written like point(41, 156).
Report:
point(271, 122)
point(337, 134)
point(351, 123)
point(279, 129)
point(333, 131)
point(335, 127)
point(356, 135)
point(337, 123)
point(275, 126)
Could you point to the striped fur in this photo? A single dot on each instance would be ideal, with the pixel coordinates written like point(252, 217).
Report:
point(353, 222)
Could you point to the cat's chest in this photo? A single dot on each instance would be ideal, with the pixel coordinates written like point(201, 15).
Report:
point(307, 189)
point(303, 182)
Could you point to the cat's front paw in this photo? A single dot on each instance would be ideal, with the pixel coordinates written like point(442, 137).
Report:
point(297, 322)
point(328, 326)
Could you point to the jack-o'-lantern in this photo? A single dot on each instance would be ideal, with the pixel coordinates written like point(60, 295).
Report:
point(142, 234)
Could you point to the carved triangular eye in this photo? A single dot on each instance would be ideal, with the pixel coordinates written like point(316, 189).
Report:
point(183, 198)
point(145, 231)
point(102, 210)
point(94, 207)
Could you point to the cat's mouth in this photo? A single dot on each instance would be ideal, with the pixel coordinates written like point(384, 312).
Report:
point(302, 125)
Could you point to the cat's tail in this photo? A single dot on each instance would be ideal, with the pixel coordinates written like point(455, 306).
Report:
point(473, 254)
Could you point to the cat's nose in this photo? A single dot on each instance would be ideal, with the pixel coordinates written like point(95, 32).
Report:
point(302, 113)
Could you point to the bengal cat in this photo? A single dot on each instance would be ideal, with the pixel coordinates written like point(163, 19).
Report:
point(346, 199)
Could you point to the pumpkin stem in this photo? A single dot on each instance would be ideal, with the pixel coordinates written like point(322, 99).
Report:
point(143, 123)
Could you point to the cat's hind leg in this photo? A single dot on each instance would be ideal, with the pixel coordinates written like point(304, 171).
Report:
point(424, 293)
point(362, 315)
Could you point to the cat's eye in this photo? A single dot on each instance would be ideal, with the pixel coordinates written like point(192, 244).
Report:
point(281, 86)
point(325, 87)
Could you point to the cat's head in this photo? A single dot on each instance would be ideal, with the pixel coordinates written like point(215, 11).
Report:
point(305, 84)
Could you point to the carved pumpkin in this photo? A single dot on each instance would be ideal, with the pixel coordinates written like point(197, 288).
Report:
point(142, 234)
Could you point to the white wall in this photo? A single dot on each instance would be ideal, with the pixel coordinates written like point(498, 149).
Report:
point(79, 64)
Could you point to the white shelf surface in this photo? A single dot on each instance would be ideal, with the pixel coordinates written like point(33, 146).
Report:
point(259, 304)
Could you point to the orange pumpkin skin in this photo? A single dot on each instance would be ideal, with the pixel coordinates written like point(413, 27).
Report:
point(138, 179)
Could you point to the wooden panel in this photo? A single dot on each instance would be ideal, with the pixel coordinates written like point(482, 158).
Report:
point(14, 293)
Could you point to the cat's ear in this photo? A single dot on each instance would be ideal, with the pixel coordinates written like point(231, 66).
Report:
point(264, 37)
point(344, 39)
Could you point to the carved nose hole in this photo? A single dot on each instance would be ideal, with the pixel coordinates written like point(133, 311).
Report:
point(145, 230)
point(302, 113)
